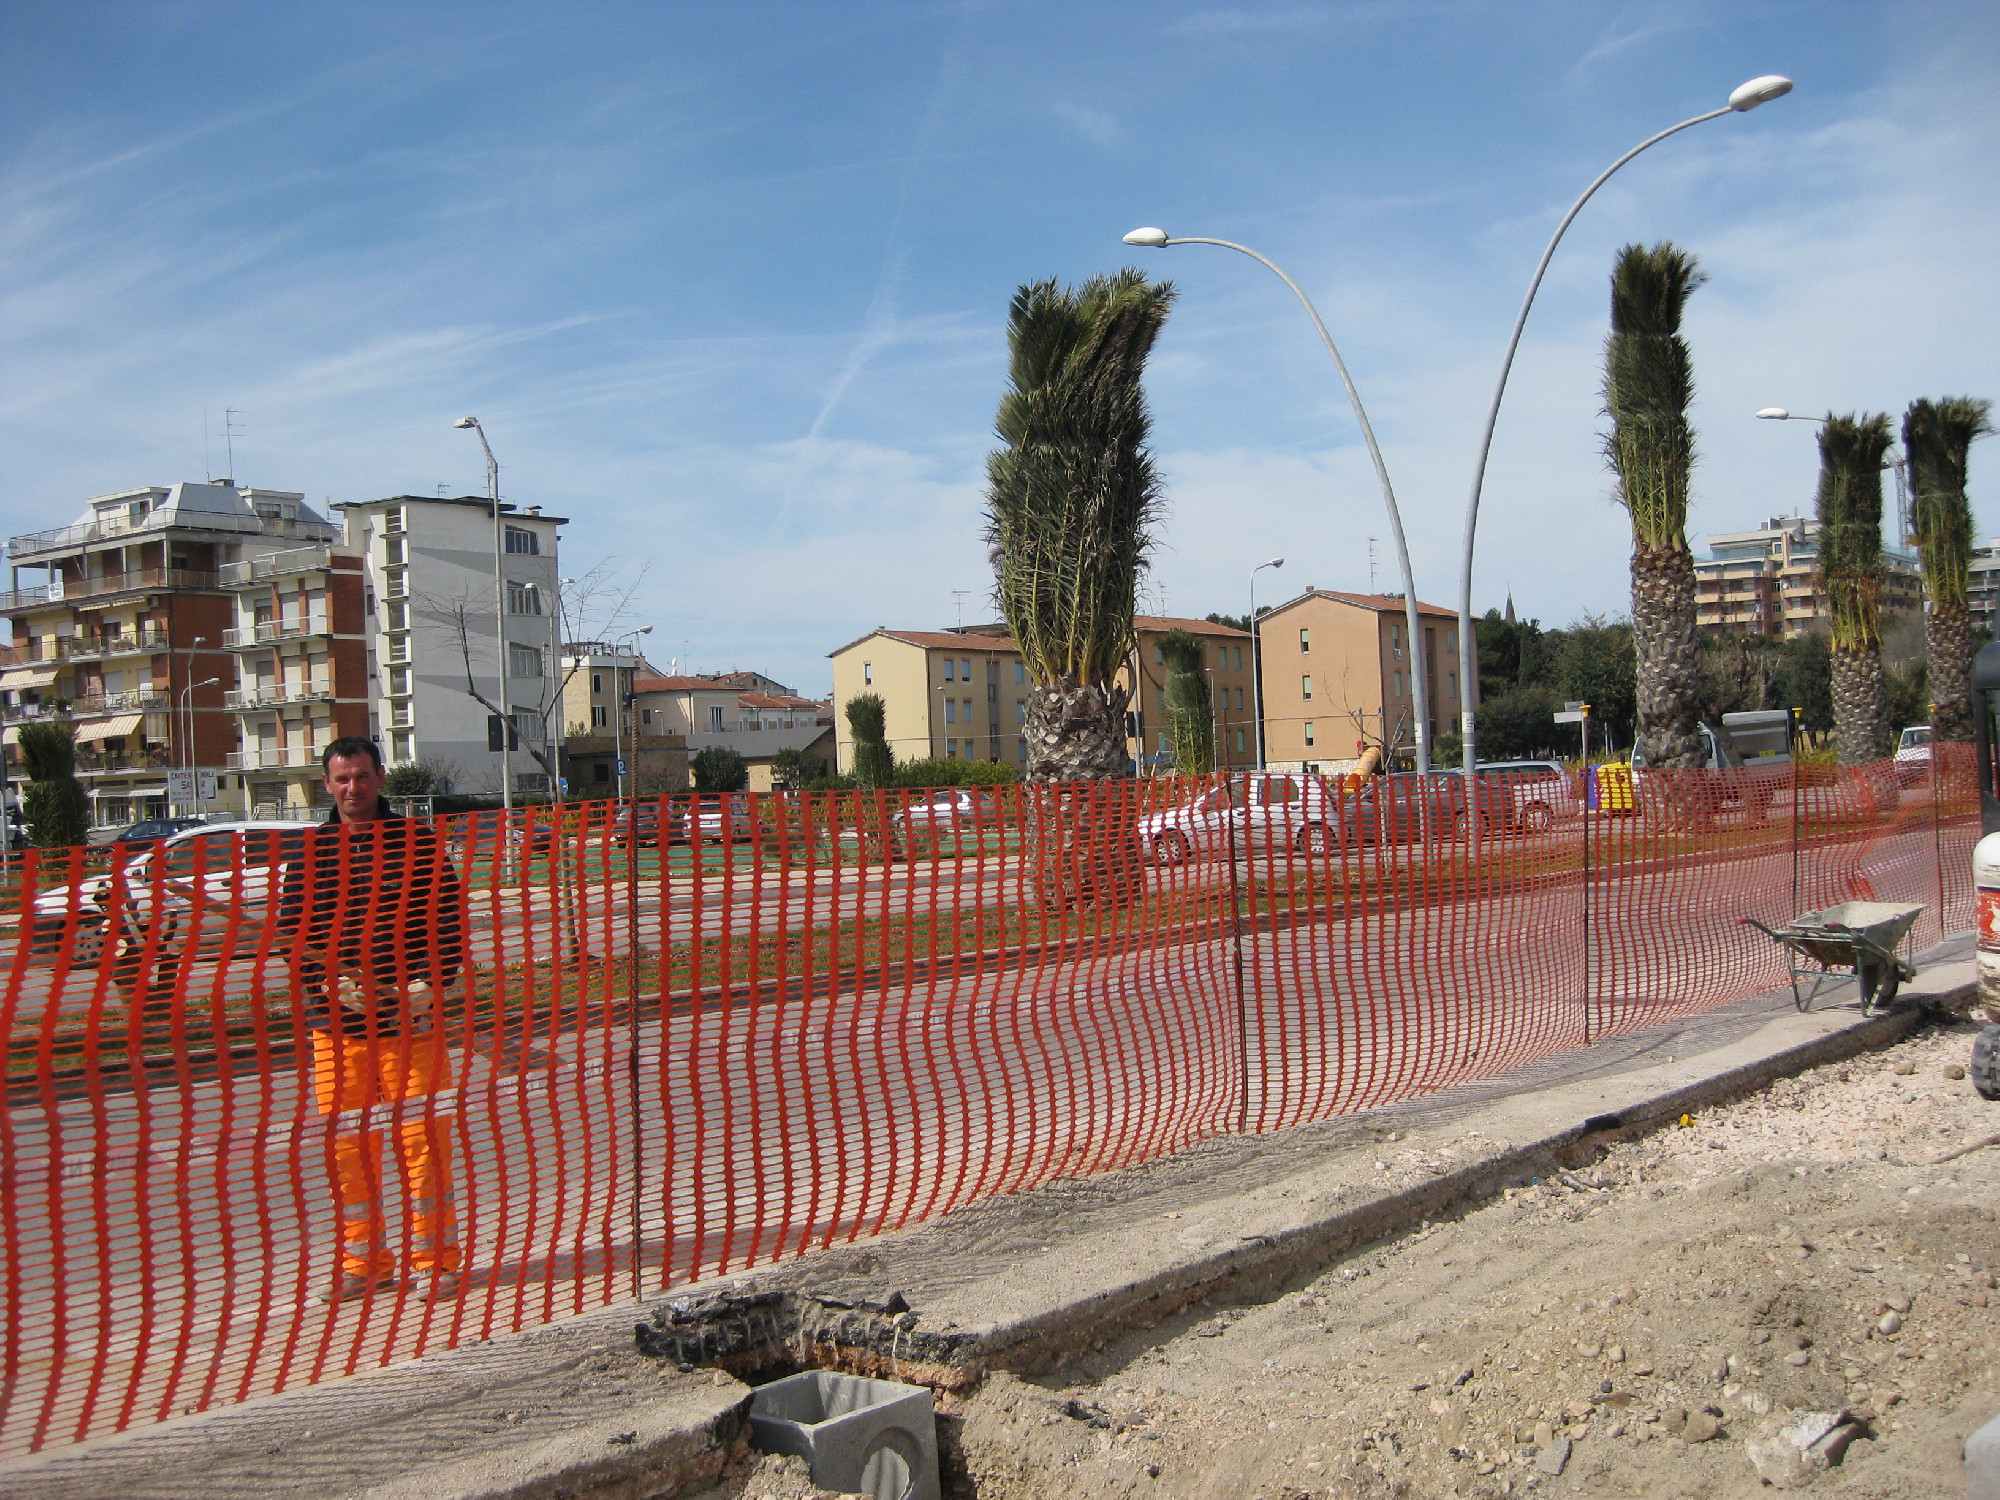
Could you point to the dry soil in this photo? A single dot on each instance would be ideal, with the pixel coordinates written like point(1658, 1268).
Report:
point(1803, 1249)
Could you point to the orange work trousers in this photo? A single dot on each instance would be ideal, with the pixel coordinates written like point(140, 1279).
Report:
point(356, 1073)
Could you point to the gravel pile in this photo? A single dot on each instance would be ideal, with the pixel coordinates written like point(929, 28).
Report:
point(1799, 1270)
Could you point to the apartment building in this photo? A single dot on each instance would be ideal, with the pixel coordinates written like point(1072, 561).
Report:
point(128, 633)
point(721, 709)
point(1766, 581)
point(963, 694)
point(427, 568)
point(302, 676)
point(1982, 584)
point(1338, 677)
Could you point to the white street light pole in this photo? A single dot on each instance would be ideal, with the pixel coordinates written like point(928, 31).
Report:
point(1257, 658)
point(1160, 239)
point(629, 776)
point(556, 680)
point(1746, 97)
point(499, 619)
point(187, 712)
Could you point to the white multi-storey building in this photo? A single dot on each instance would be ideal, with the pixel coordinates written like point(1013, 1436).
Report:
point(429, 604)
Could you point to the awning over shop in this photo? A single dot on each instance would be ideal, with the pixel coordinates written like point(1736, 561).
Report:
point(108, 729)
point(33, 677)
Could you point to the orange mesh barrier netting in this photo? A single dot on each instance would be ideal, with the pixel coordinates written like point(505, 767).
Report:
point(286, 1102)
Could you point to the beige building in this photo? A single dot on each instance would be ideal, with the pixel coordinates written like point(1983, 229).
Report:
point(962, 694)
point(1766, 582)
point(1337, 678)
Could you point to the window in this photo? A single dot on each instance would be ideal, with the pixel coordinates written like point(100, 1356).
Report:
point(600, 716)
point(949, 666)
point(1163, 741)
point(399, 680)
point(1159, 655)
point(1239, 658)
point(1399, 683)
point(951, 710)
point(527, 723)
point(524, 543)
point(1451, 684)
point(523, 661)
point(965, 669)
point(1306, 688)
point(596, 682)
point(1451, 641)
point(399, 747)
point(715, 719)
point(951, 749)
point(1309, 734)
point(1020, 671)
point(867, 672)
point(1305, 643)
point(968, 710)
point(523, 598)
point(399, 617)
point(392, 549)
point(1396, 641)
point(1021, 752)
point(1239, 742)
point(1021, 711)
point(600, 772)
point(392, 520)
point(645, 716)
point(1239, 697)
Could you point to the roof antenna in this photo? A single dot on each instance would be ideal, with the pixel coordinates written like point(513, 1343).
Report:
point(958, 598)
point(230, 433)
point(207, 465)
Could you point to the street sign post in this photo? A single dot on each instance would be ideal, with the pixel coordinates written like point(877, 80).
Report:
point(1578, 713)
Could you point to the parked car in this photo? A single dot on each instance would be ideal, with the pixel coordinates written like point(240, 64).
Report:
point(1913, 755)
point(718, 818)
point(946, 810)
point(239, 868)
point(144, 835)
point(1407, 807)
point(476, 832)
point(1537, 789)
point(1269, 811)
point(642, 823)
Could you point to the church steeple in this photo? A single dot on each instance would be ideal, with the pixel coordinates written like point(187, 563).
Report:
point(1510, 606)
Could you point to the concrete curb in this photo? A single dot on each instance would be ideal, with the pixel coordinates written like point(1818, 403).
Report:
point(915, 1306)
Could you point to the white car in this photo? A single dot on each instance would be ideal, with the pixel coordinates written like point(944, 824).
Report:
point(1538, 789)
point(1270, 812)
point(239, 864)
point(1913, 755)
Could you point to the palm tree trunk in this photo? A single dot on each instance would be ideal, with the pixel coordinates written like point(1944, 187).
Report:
point(1860, 716)
point(1076, 733)
point(1669, 656)
point(1948, 630)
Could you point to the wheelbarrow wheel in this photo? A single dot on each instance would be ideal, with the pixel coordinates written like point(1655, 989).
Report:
point(1986, 1062)
point(1879, 983)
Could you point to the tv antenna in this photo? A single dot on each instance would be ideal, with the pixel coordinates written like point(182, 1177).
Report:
point(230, 433)
point(207, 465)
point(958, 599)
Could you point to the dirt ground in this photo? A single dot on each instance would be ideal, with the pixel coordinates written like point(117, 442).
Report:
point(1627, 1325)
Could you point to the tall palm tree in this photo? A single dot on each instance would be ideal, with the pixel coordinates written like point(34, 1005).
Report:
point(1648, 384)
point(1937, 436)
point(1189, 708)
point(1849, 504)
point(1072, 498)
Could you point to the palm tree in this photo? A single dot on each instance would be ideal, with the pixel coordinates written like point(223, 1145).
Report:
point(1850, 564)
point(1190, 710)
point(1070, 505)
point(874, 764)
point(1938, 436)
point(1648, 384)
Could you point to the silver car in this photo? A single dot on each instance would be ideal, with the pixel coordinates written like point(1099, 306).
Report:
point(1268, 812)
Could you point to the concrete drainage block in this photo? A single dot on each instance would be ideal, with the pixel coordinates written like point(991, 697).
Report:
point(874, 1437)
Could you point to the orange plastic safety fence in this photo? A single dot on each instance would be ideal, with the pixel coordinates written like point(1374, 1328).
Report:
point(285, 1102)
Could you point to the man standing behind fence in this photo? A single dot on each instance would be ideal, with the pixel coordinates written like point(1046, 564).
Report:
point(375, 913)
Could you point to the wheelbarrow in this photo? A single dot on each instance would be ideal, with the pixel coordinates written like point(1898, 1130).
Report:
point(1857, 935)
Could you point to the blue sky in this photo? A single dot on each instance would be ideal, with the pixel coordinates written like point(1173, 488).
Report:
point(727, 284)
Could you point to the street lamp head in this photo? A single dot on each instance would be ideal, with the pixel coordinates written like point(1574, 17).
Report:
point(1759, 91)
point(1774, 414)
point(208, 682)
point(1155, 239)
point(466, 422)
point(1276, 562)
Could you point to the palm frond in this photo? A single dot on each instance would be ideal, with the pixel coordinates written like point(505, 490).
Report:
point(1849, 505)
point(1648, 386)
point(1938, 437)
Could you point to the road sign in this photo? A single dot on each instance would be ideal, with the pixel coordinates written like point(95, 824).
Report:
point(1577, 716)
point(205, 786)
point(180, 787)
point(621, 765)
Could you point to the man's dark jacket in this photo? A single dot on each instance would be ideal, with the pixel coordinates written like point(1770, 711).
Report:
point(378, 903)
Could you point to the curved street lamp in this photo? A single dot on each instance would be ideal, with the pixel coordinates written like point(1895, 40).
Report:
point(1746, 97)
point(505, 705)
point(1159, 239)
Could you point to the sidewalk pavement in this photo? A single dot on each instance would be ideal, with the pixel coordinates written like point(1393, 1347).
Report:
point(1021, 1282)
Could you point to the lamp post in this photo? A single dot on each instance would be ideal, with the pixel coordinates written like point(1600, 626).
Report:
point(1257, 659)
point(187, 712)
point(499, 619)
point(1160, 239)
point(186, 721)
point(628, 778)
point(1898, 464)
point(559, 681)
point(1745, 98)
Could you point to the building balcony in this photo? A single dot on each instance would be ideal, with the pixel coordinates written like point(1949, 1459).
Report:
point(247, 637)
point(118, 527)
point(133, 581)
point(104, 762)
point(277, 694)
point(275, 758)
point(89, 705)
point(287, 564)
point(96, 647)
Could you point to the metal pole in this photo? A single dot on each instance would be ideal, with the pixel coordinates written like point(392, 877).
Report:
point(1420, 689)
point(1257, 660)
point(1468, 655)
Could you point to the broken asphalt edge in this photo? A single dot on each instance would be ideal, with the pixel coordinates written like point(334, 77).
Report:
point(1036, 1315)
